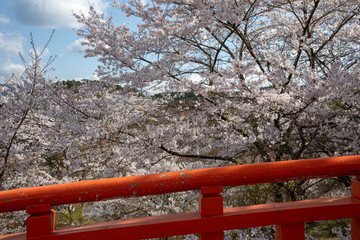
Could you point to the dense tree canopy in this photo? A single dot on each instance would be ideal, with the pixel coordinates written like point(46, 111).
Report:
point(277, 79)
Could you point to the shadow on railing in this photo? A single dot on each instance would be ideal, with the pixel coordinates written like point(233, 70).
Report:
point(211, 219)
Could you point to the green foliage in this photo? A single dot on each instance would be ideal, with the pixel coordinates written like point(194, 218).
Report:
point(182, 98)
point(325, 229)
point(72, 83)
point(55, 162)
point(264, 193)
point(337, 104)
point(234, 236)
point(116, 88)
point(71, 215)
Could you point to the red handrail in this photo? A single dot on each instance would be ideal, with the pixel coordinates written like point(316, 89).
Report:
point(210, 180)
point(135, 186)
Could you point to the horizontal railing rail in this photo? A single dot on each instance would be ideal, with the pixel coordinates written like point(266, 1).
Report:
point(136, 186)
point(39, 200)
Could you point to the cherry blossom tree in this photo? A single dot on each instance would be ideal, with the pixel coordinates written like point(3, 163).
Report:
point(272, 80)
point(54, 132)
point(24, 98)
point(23, 122)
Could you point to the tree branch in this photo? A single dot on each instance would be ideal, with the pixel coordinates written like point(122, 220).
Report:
point(230, 159)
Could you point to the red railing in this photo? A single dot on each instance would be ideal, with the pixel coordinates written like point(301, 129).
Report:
point(211, 219)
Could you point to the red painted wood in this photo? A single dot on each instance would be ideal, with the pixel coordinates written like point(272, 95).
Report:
point(211, 190)
point(211, 205)
point(134, 186)
point(41, 221)
point(355, 188)
point(212, 236)
point(355, 228)
point(211, 219)
point(294, 231)
point(211, 202)
point(188, 223)
point(355, 222)
point(38, 209)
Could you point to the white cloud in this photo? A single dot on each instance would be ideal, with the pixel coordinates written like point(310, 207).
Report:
point(4, 19)
point(9, 68)
point(11, 42)
point(52, 14)
point(75, 47)
point(92, 78)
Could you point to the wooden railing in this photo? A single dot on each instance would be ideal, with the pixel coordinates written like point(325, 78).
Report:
point(211, 219)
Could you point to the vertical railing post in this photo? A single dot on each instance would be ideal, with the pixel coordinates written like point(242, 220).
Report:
point(295, 231)
point(355, 222)
point(41, 221)
point(211, 204)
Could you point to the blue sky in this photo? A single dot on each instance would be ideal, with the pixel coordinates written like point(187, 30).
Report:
point(20, 17)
